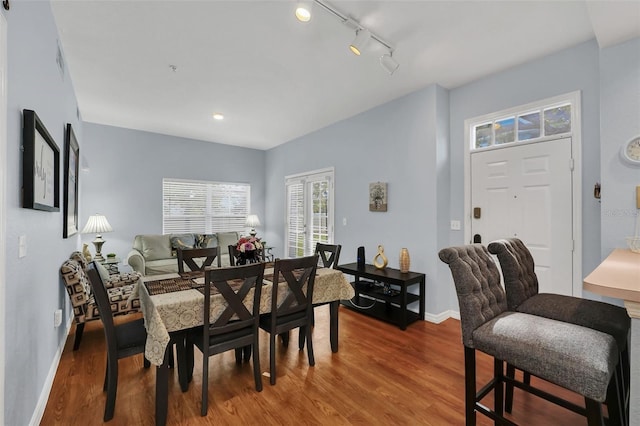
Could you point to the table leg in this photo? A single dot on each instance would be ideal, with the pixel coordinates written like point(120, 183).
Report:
point(162, 389)
point(333, 324)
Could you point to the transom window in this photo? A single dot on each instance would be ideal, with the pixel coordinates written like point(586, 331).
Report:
point(204, 207)
point(528, 125)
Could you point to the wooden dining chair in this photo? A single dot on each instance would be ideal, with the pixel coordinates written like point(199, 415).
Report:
point(292, 307)
point(233, 254)
point(237, 325)
point(187, 256)
point(329, 254)
point(123, 340)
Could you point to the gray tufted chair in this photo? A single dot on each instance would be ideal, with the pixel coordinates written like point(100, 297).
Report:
point(574, 357)
point(521, 285)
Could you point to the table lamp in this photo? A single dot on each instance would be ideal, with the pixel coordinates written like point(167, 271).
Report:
point(252, 222)
point(97, 224)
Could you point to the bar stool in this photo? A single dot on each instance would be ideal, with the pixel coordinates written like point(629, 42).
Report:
point(574, 357)
point(521, 285)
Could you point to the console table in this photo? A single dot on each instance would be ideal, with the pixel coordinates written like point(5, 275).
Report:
point(385, 296)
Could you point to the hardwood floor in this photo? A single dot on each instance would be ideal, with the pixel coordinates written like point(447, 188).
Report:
point(380, 376)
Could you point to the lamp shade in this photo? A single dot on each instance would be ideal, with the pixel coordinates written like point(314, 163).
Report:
point(252, 221)
point(97, 224)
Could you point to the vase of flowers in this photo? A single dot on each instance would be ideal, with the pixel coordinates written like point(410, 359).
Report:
point(248, 250)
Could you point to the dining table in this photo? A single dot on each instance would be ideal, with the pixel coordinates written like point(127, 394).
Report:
point(172, 304)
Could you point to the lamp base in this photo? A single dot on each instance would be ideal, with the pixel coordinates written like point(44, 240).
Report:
point(98, 242)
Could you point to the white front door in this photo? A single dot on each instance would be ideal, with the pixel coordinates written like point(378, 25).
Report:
point(525, 191)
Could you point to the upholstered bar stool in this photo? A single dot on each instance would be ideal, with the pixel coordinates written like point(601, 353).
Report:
point(574, 357)
point(521, 285)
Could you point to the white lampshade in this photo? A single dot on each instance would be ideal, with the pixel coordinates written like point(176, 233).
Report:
point(252, 221)
point(97, 224)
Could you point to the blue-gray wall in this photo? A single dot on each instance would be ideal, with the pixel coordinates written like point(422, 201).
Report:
point(126, 168)
point(403, 143)
point(414, 143)
point(619, 122)
point(566, 71)
point(33, 287)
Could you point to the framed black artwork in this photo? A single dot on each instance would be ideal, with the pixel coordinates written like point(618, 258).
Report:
point(40, 166)
point(71, 173)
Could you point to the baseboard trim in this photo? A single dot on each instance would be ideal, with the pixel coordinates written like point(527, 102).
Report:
point(36, 418)
point(443, 316)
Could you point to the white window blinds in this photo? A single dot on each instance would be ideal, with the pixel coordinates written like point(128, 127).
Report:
point(204, 207)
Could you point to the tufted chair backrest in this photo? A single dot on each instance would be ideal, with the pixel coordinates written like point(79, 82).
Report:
point(477, 281)
point(518, 270)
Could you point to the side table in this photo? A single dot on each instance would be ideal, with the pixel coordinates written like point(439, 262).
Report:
point(111, 263)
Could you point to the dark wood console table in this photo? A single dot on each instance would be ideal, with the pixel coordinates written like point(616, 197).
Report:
point(384, 295)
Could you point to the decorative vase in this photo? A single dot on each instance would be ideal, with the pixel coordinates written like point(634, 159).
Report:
point(380, 260)
point(405, 260)
point(246, 257)
point(86, 253)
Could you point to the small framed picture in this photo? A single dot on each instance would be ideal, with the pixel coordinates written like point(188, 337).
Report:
point(40, 166)
point(71, 169)
point(378, 197)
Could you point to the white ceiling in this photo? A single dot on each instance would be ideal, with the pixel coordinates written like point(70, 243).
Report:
point(276, 79)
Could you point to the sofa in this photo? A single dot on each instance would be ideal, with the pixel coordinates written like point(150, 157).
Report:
point(154, 254)
point(119, 289)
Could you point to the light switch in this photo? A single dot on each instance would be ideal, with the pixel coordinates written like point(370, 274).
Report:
point(344, 221)
point(22, 246)
point(455, 225)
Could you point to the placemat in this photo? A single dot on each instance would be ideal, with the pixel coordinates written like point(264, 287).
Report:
point(169, 285)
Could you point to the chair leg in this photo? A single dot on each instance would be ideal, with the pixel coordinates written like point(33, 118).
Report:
point(238, 352)
point(614, 402)
point(470, 386)
point(498, 390)
point(272, 358)
point(594, 412)
point(106, 376)
point(247, 352)
point(285, 338)
point(146, 363)
point(312, 360)
point(302, 333)
point(508, 396)
point(205, 382)
point(112, 387)
point(183, 375)
point(78, 336)
point(256, 363)
point(526, 378)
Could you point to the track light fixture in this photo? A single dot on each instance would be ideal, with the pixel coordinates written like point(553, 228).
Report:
point(363, 35)
point(388, 63)
point(362, 38)
point(303, 10)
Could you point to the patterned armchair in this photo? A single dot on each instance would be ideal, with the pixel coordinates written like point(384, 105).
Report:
point(119, 288)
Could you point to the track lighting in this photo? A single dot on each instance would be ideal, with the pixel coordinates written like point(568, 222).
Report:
point(363, 35)
point(303, 11)
point(388, 63)
point(362, 38)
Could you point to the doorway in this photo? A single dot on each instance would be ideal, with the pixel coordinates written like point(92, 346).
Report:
point(523, 179)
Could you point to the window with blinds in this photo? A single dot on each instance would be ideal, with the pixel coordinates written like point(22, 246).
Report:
point(309, 214)
point(204, 207)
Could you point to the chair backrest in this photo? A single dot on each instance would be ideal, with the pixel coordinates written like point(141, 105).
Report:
point(233, 254)
point(235, 285)
point(518, 270)
point(104, 307)
point(299, 275)
point(187, 256)
point(477, 281)
point(329, 254)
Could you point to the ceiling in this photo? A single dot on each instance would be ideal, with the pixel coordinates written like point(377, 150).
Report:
point(167, 66)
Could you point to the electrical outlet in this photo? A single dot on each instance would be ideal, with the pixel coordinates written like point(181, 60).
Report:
point(344, 221)
point(57, 318)
point(455, 225)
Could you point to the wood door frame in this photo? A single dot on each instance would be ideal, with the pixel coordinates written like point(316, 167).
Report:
point(3, 205)
point(574, 98)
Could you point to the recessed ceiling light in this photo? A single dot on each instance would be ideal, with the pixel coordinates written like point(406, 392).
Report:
point(303, 11)
point(218, 116)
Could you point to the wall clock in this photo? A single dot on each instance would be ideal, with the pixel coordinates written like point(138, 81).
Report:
point(630, 151)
